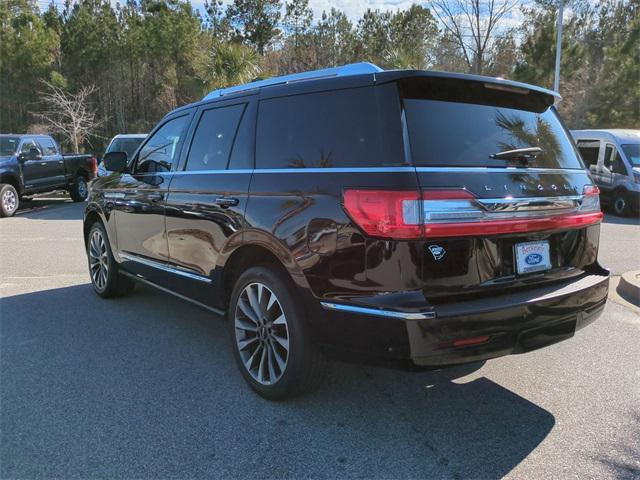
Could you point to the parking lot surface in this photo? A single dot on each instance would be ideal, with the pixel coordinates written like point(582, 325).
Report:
point(146, 387)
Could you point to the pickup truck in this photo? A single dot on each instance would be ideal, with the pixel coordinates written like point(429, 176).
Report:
point(31, 164)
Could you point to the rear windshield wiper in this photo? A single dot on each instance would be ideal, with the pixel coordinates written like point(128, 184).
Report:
point(520, 154)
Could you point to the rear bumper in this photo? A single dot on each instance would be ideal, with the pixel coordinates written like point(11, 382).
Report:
point(425, 334)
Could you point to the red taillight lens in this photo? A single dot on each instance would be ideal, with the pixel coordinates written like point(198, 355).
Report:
point(591, 200)
point(385, 213)
point(94, 165)
point(441, 213)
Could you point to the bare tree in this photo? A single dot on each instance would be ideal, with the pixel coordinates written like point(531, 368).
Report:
point(471, 24)
point(69, 114)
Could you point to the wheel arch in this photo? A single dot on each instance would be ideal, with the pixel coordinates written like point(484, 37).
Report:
point(91, 216)
point(254, 254)
point(13, 180)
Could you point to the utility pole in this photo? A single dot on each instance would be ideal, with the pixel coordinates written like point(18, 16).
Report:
point(556, 79)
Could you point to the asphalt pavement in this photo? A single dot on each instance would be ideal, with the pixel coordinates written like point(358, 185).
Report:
point(146, 387)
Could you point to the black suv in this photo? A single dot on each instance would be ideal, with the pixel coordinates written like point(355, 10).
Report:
point(410, 217)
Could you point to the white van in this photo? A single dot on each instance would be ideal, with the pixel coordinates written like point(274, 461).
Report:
point(613, 157)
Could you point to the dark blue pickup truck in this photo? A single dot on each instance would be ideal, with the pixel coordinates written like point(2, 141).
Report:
point(31, 164)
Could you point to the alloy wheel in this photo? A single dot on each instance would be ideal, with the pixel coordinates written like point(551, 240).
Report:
point(9, 201)
point(262, 333)
point(98, 260)
point(82, 188)
point(620, 205)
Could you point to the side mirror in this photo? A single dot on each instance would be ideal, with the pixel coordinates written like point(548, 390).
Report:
point(34, 154)
point(115, 161)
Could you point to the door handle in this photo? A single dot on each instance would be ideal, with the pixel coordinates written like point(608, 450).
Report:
point(44, 164)
point(227, 201)
point(155, 197)
point(61, 162)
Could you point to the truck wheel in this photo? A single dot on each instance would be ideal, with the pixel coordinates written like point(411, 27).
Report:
point(107, 281)
point(9, 200)
point(270, 339)
point(79, 190)
point(620, 204)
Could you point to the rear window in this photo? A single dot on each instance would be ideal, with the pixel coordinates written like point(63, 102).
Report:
point(357, 127)
point(450, 133)
point(47, 145)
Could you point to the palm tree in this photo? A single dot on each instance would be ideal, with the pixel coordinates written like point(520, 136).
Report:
point(539, 135)
point(228, 64)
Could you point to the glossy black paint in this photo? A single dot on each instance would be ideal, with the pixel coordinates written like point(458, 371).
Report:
point(199, 225)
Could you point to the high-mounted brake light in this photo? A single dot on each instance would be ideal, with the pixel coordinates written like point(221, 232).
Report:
point(445, 213)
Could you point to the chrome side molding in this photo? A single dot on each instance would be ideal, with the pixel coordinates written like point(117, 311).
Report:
point(166, 268)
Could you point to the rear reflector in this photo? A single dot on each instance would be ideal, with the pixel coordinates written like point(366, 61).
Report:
point(465, 342)
point(402, 214)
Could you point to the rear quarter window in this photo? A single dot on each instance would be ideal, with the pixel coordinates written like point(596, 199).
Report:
point(358, 127)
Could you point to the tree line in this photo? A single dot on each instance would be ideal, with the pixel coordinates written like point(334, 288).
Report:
point(141, 58)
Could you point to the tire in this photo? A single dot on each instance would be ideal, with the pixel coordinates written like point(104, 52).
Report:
point(9, 200)
point(260, 344)
point(620, 204)
point(79, 190)
point(106, 280)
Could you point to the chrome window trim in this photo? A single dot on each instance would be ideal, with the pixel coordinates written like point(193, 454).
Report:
point(404, 169)
point(377, 312)
point(500, 170)
point(166, 268)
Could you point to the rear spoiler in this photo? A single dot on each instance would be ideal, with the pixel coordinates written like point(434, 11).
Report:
point(458, 87)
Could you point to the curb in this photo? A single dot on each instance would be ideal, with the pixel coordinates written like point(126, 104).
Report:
point(629, 287)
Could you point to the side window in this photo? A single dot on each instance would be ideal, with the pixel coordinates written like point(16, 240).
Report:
point(213, 138)
point(608, 153)
point(28, 145)
point(244, 145)
point(589, 151)
point(618, 164)
point(161, 150)
point(357, 127)
point(47, 146)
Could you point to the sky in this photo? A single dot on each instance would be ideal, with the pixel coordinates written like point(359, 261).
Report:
point(353, 8)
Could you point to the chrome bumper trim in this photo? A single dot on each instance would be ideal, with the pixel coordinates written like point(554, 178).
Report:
point(380, 313)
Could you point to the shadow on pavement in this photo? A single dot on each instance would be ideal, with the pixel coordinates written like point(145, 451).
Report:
point(614, 219)
point(58, 208)
point(146, 386)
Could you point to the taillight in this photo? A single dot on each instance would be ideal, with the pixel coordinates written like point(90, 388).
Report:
point(444, 213)
point(591, 200)
point(94, 166)
point(385, 213)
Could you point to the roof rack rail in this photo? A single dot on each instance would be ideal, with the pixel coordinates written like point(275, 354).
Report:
point(342, 71)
